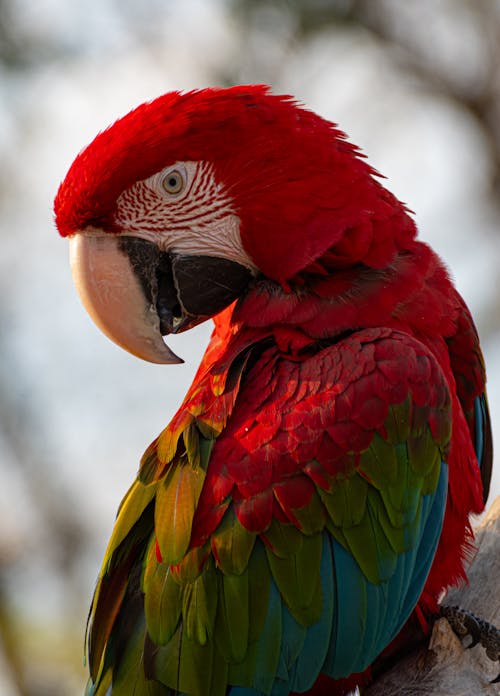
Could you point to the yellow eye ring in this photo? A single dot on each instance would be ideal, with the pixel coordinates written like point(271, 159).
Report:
point(173, 182)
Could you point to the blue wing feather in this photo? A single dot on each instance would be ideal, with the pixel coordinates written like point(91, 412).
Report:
point(483, 443)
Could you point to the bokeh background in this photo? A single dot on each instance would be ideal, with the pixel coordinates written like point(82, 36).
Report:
point(416, 84)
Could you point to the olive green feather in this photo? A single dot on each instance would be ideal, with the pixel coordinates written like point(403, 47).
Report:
point(232, 544)
point(186, 666)
point(346, 502)
point(298, 578)
point(176, 502)
point(233, 616)
point(199, 605)
point(162, 598)
point(131, 508)
point(191, 565)
point(284, 539)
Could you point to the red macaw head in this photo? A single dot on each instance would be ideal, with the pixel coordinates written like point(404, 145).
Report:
point(174, 210)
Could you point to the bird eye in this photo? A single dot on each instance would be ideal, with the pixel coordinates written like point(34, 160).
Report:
point(173, 182)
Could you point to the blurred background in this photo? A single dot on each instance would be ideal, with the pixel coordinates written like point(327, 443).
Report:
point(415, 84)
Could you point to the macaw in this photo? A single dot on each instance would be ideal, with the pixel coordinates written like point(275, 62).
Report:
point(309, 503)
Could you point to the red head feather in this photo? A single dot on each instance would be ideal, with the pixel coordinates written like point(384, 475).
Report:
point(300, 189)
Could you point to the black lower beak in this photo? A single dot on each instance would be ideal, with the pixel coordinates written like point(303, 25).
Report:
point(170, 313)
point(185, 289)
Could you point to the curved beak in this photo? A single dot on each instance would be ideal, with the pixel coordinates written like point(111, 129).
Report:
point(136, 293)
point(113, 296)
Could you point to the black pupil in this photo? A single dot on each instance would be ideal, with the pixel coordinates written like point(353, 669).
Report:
point(173, 181)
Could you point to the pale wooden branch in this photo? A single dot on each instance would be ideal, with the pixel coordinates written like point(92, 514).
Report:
point(445, 667)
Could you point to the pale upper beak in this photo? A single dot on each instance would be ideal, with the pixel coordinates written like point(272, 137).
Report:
point(112, 295)
point(136, 293)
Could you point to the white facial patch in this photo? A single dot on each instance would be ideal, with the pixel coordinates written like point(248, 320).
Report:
point(184, 210)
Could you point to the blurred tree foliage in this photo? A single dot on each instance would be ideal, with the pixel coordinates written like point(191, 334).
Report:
point(451, 46)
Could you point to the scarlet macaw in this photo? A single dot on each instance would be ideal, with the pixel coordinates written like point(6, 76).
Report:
point(311, 497)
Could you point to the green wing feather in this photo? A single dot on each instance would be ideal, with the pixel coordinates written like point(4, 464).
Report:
point(176, 500)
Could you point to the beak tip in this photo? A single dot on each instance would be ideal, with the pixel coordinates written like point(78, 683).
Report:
point(172, 358)
point(154, 351)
